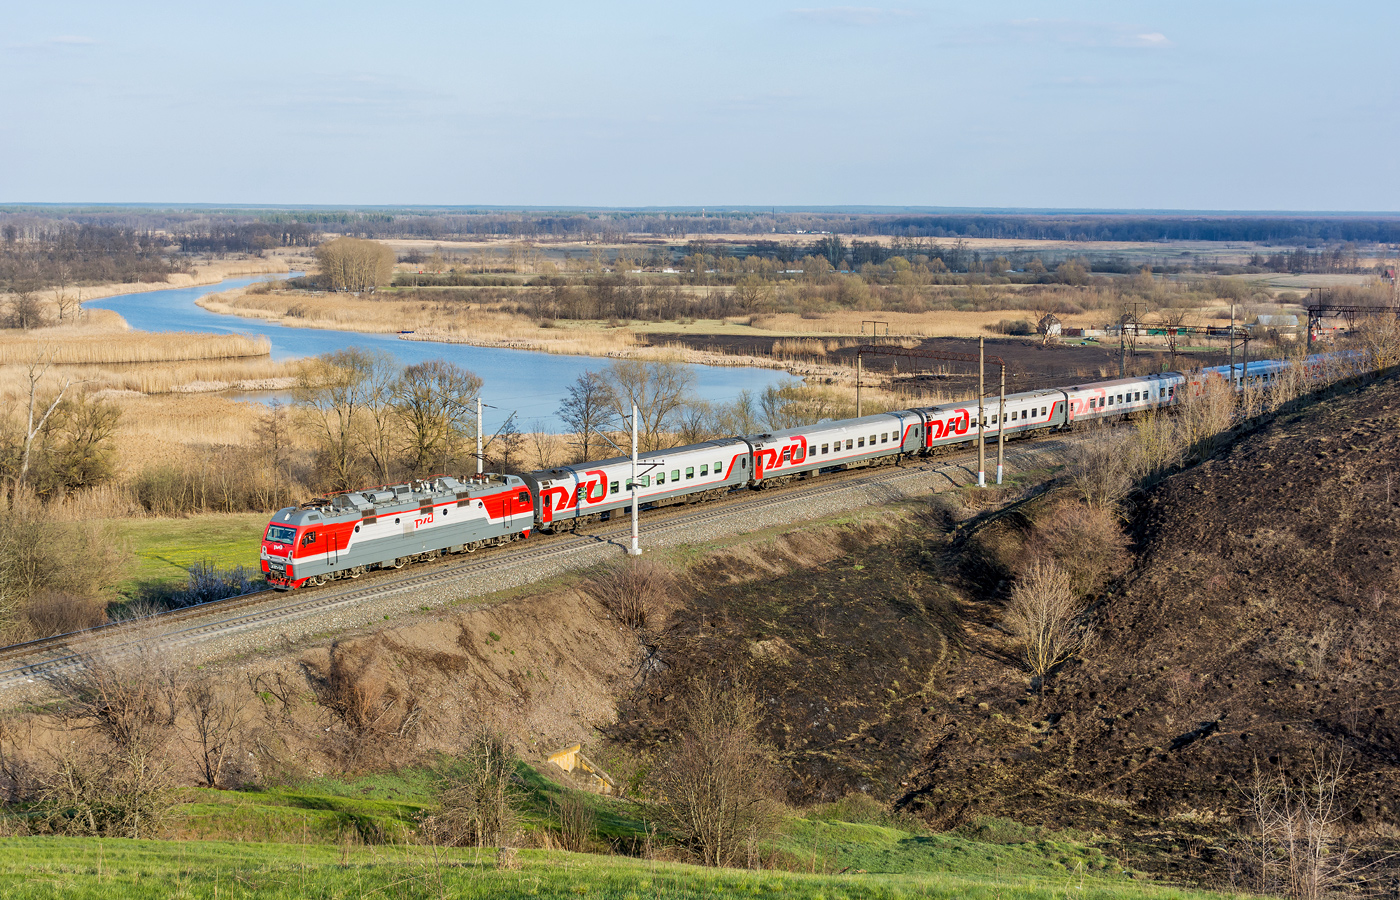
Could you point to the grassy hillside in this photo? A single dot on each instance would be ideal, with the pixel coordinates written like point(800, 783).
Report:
point(126, 870)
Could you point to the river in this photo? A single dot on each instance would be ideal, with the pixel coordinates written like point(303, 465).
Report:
point(527, 383)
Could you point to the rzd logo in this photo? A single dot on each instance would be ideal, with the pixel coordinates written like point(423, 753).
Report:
point(426, 520)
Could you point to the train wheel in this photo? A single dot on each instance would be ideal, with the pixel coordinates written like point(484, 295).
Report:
point(473, 546)
point(354, 573)
point(398, 563)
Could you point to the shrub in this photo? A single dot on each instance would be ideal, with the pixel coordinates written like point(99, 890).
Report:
point(51, 612)
point(634, 590)
point(206, 582)
point(1086, 542)
point(712, 787)
point(1046, 615)
point(481, 805)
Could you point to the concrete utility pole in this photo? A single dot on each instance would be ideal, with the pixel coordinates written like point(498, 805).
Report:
point(479, 460)
point(981, 389)
point(858, 368)
point(635, 549)
point(1001, 425)
point(1232, 346)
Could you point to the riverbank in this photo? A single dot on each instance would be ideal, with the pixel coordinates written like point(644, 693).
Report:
point(478, 325)
point(211, 272)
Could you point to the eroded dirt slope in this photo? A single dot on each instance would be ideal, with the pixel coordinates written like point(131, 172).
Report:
point(1261, 622)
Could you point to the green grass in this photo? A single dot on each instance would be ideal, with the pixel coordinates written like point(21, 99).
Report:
point(125, 870)
point(350, 837)
point(163, 548)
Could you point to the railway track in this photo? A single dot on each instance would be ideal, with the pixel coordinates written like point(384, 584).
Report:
point(27, 663)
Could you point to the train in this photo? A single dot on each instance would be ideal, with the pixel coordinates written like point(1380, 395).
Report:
point(348, 534)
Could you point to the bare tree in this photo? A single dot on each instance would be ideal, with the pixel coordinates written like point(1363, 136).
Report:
point(215, 721)
point(482, 806)
point(659, 390)
point(713, 786)
point(26, 310)
point(1047, 617)
point(544, 444)
point(352, 264)
point(1293, 848)
point(379, 426)
point(334, 392)
point(433, 399)
point(588, 409)
point(34, 374)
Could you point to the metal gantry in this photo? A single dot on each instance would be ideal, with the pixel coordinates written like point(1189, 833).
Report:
point(1347, 312)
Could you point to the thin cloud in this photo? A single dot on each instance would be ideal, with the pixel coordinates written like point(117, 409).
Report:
point(1087, 34)
point(847, 16)
point(72, 40)
point(1150, 39)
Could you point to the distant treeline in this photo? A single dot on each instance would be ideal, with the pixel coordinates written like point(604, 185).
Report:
point(35, 258)
point(251, 237)
point(249, 230)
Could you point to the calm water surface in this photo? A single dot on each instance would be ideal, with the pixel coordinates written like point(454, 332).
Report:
point(529, 384)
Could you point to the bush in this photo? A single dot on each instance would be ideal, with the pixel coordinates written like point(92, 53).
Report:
point(1017, 327)
point(481, 805)
point(51, 612)
point(634, 590)
point(38, 557)
point(712, 786)
point(207, 582)
point(1086, 542)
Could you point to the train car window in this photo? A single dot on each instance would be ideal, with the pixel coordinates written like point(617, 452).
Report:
point(1044, 410)
point(884, 438)
point(824, 449)
point(310, 538)
point(689, 473)
point(523, 496)
point(719, 466)
point(744, 463)
point(661, 477)
point(675, 474)
point(628, 486)
point(612, 487)
point(357, 529)
point(872, 440)
point(849, 443)
point(705, 469)
point(787, 452)
point(861, 442)
point(644, 481)
point(396, 521)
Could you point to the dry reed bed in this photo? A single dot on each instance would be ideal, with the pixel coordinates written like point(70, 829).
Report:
point(78, 346)
point(348, 312)
point(258, 374)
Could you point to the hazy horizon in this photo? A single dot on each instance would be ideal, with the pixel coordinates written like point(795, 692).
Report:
point(1074, 107)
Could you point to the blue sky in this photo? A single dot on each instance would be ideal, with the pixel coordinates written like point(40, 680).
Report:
point(1231, 104)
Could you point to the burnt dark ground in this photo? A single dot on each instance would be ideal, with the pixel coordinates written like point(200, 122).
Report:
point(1029, 364)
point(1260, 622)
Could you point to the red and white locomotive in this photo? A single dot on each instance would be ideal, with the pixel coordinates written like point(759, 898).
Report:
point(348, 534)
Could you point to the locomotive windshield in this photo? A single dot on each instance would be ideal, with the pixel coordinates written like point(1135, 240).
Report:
point(281, 534)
